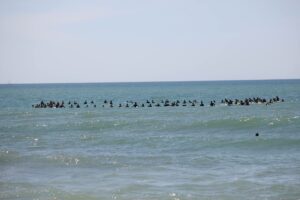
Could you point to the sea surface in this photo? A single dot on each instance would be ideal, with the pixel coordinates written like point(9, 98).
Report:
point(143, 153)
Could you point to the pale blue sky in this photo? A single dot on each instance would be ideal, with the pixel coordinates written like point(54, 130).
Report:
point(154, 40)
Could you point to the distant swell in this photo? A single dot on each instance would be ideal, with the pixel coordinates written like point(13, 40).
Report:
point(163, 125)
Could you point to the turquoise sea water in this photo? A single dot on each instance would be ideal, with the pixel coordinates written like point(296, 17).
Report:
point(150, 153)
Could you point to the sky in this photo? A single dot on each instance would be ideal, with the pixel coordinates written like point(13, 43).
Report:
point(67, 41)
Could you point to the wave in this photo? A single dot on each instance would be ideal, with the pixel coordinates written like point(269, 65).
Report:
point(162, 125)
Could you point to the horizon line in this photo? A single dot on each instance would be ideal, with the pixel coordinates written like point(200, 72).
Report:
point(104, 82)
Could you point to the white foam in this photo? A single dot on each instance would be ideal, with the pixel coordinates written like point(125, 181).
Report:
point(172, 194)
point(271, 123)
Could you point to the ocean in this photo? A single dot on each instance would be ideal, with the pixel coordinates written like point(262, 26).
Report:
point(147, 153)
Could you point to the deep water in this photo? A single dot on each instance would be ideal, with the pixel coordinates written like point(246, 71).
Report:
point(150, 153)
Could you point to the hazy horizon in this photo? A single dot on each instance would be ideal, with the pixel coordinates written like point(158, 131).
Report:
point(148, 41)
point(117, 82)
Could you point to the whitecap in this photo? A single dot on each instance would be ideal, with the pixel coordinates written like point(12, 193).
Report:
point(41, 125)
point(173, 194)
point(246, 119)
